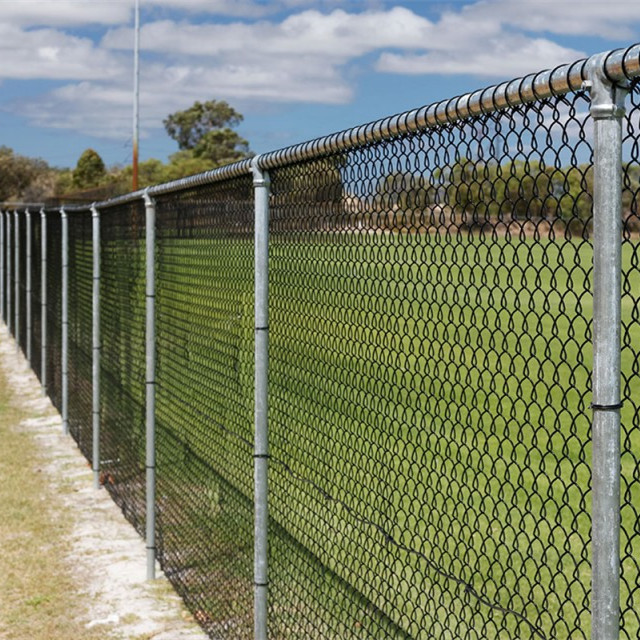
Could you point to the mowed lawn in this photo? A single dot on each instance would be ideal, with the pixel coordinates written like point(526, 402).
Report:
point(429, 424)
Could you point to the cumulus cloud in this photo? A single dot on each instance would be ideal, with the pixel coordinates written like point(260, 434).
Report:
point(503, 57)
point(60, 13)
point(306, 56)
point(570, 17)
point(304, 44)
point(337, 35)
point(56, 13)
point(104, 108)
point(53, 54)
point(245, 8)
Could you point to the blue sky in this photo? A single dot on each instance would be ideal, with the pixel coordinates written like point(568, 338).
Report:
point(296, 69)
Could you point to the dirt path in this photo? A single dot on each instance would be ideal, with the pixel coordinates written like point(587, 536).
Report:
point(71, 567)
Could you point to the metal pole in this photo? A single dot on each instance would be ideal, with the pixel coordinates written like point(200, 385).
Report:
point(9, 274)
point(28, 282)
point(261, 439)
point(95, 364)
point(150, 243)
point(43, 301)
point(3, 307)
point(607, 110)
point(16, 267)
point(136, 94)
point(65, 320)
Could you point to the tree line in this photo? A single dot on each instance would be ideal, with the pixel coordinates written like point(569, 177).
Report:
point(468, 193)
point(478, 193)
point(205, 136)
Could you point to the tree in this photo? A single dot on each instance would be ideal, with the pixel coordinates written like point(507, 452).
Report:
point(17, 173)
point(90, 170)
point(205, 131)
point(182, 164)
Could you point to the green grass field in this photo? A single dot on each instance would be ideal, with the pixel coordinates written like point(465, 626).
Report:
point(429, 424)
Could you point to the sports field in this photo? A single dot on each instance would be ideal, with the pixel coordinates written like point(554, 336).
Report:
point(429, 431)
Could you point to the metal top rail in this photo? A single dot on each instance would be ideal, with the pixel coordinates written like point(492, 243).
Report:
point(36, 206)
point(619, 66)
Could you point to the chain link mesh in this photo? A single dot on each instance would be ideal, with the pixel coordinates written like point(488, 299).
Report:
point(630, 360)
point(8, 237)
point(22, 280)
point(429, 377)
point(122, 362)
point(36, 294)
point(204, 294)
point(54, 307)
point(3, 264)
point(80, 329)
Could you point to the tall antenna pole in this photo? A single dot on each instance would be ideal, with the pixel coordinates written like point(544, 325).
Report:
point(136, 94)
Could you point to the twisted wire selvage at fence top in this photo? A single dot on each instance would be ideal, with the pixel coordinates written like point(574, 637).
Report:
point(431, 307)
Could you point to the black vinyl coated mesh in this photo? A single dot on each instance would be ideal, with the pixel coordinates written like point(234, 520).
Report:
point(80, 276)
point(22, 282)
point(8, 287)
point(35, 268)
point(53, 279)
point(630, 479)
point(122, 362)
point(429, 471)
point(3, 264)
point(204, 294)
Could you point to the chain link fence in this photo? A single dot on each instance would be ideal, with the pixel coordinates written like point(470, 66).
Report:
point(80, 330)
point(204, 293)
point(21, 282)
point(36, 315)
point(422, 321)
point(53, 309)
point(5, 261)
point(630, 415)
point(431, 330)
point(122, 382)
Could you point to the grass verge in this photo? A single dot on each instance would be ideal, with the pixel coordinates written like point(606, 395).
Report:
point(39, 598)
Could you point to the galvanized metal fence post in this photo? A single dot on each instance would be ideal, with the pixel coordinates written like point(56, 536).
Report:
point(261, 439)
point(3, 304)
point(16, 278)
point(95, 362)
point(28, 323)
point(9, 274)
point(607, 110)
point(150, 245)
point(65, 320)
point(43, 301)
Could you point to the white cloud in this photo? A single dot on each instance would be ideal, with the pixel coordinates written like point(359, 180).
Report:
point(57, 13)
point(245, 8)
point(337, 35)
point(54, 13)
point(503, 57)
point(103, 109)
point(569, 17)
point(53, 54)
point(307, 56)
point(83, 108)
